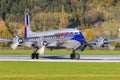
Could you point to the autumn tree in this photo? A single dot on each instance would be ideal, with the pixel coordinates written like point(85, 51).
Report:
point(63, 19)
point(4, 32)
point(89, 34)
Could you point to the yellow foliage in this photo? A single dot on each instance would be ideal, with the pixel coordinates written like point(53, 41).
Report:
point(4, 30)
point(99, 8)
point(89, 34)
point(22, 31)
point(63, 19)
point(4, 33)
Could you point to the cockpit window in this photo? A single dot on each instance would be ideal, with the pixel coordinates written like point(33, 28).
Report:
point(80, 33)
point(76, 32)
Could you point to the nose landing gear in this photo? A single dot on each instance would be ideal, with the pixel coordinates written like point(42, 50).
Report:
point(75, 55)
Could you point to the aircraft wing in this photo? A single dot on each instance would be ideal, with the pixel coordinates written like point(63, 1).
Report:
point(112, 40)
point(15, 41)
point(104, 41)
point(5, 40)
point(101, 42)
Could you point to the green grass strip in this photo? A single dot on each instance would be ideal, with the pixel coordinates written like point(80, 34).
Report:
point(58, 71)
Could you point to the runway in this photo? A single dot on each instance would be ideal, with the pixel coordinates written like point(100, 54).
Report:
point(61, 58)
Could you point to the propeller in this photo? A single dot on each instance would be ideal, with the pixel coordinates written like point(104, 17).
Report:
point(40, 46)
point(111, 47)
point(103, 42)
point(16, 41)
point(41, 50)
point(14, 45)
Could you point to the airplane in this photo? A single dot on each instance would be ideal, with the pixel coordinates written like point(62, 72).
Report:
point(67, 38)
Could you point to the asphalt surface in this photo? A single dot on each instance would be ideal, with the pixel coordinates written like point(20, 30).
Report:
point(62, 58)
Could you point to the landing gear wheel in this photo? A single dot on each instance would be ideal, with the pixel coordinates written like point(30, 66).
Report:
point(35, 56)
point(72, 56)
point(75, 56)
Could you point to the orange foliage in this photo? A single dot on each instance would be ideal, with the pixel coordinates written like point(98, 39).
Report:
point(4, 30)
point(4, 33)
point(2, 25)
point(73, 1)
point(22, 31)
point(110, 2)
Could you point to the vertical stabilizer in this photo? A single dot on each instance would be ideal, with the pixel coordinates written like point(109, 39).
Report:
point(27, 29)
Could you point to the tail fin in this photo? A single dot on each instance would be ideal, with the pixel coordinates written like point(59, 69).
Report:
point(27, 29)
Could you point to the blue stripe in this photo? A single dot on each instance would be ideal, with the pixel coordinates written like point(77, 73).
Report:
point(25, 33)
point(27, 20)
point(25, 29)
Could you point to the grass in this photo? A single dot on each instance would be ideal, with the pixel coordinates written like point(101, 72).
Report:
point(59, 71)
point(62, 51)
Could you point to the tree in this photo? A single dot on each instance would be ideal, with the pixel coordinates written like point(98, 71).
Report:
point(89, 34)
point(4, 32)
point(45, 21)
point(63, 19)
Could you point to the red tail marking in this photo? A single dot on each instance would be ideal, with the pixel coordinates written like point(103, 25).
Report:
point(26, 25)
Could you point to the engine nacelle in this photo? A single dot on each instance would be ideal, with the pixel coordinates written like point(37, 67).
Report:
point(17, 39)
point(42, 43)
point(39, 44)
point(100, 42)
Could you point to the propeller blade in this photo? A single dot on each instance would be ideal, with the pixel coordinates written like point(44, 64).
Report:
point(111, 47)
point(41, 50)
point(14, 45)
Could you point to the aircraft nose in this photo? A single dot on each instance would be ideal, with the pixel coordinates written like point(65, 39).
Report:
point(79, 38)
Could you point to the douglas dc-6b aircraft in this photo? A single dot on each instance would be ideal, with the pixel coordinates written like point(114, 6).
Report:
point(66, 38)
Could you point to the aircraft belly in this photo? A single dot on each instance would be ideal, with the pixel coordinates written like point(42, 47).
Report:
point(71, 44)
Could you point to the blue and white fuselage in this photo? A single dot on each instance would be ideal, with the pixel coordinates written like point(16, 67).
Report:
point(68, 38)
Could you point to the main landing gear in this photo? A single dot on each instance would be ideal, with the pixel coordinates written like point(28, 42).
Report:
point(35, 55)
point(74, 55)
